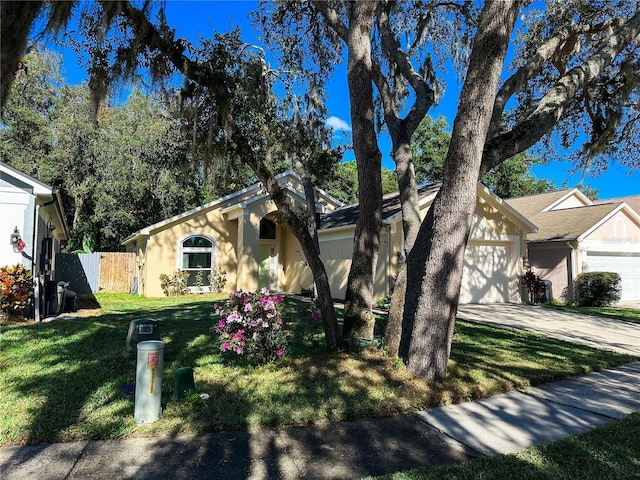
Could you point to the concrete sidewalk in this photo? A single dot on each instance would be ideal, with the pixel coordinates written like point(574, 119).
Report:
point(500, 424)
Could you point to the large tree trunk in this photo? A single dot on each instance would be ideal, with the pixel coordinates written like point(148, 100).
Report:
point(409, 204)
point(434, 265)
point(360, 285)
point(298, 225)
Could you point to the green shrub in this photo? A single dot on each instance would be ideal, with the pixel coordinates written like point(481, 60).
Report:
point(174, 284)
point(217, 280)
point(16, 290)
point(598, 289)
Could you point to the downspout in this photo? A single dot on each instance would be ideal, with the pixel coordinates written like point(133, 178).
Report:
point(40, 281)
point(36, 283)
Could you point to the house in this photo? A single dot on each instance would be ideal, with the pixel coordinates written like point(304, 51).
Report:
point(578, 235)
point(33, 225)
point(240, 234)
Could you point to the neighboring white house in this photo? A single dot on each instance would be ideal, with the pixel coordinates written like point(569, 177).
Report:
point(578, 235)
point(32, 227)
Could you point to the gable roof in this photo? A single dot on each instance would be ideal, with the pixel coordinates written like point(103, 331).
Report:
point(232, 202)
point(36, 186)
point(348, 215)
point(569, 223)
point(392, 210)
point(633, 201)
point(531, 204)
point(565, 224)
point(47, 197)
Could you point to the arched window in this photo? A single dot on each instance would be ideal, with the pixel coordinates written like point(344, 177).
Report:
point(267, 229)
point(198, 258)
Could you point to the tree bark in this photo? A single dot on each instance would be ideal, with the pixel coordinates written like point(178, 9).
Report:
point(360, 283)
point(434, 265)
point(299, 227)
point(401, 131)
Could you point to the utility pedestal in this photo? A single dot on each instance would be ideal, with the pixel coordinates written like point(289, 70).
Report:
point(149, 369)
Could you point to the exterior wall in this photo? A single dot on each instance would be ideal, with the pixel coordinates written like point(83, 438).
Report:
point(18, 206)
point(570, 202)
point(296, 273)
point(554, 263)
point(619, 229)
point(160, 251)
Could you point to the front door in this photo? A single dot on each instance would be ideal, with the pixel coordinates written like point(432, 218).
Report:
point(268, 272)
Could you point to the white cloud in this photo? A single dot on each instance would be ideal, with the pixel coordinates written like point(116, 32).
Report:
point(338, 124)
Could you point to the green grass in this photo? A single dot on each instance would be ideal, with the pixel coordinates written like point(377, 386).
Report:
point(619, 313)
point(611, 452)
point(60, 381)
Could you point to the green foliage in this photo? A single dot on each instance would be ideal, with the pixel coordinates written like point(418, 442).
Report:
point(384, 302)
point(174, 283)
point(598, 289)
point(217, 280)
point(512, 178)
point(429, 146)
point(343, 184)
point(16, 289)
point(120, 169)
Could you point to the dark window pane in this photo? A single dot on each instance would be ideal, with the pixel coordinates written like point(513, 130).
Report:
point(192, 280)
point(196, 260)
point(197, 242)
point(267, 229)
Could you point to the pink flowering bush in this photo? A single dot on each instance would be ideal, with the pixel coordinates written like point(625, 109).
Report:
point(251, 325)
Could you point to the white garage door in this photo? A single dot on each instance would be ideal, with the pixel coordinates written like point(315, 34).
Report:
point(486, 274)
point(626, 265)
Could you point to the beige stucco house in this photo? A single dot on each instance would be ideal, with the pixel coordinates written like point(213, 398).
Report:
point(578, 235)
point(237, 234)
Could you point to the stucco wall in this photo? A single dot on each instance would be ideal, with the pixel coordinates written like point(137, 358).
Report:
point(618, 228)
point(162, 247)
point(553, 264)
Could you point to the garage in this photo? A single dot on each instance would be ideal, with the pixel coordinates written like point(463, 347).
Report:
point(627, 265)
point(486, 276)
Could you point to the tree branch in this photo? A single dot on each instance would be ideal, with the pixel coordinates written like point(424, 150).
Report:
point(547, 51)
point(425, 96)
point(332, 18)
point(552, 105)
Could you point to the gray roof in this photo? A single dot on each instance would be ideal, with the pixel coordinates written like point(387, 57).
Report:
point(633, 201)
point(348, 215)
point(560, 225)
point(569, 223)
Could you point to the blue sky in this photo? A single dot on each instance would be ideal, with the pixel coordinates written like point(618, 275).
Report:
point(192, 19)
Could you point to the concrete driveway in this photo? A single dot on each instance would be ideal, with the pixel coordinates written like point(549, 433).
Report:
point(597, 332)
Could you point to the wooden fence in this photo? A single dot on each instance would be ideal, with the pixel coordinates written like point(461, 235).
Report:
point(112, 272)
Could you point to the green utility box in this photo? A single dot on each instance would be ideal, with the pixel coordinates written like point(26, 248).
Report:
point(140, 330)
point(185, 384)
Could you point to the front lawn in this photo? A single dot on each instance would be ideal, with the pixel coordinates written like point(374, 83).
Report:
point(619, 313)
point(61, 381)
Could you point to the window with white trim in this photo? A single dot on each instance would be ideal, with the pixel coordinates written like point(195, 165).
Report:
point(198, 258)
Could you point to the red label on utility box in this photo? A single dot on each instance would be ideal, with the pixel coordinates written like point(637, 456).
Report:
point(153, 358)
